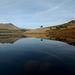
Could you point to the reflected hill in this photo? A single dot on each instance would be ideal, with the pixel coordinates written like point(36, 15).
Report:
point(10, 38)
point(67, 38)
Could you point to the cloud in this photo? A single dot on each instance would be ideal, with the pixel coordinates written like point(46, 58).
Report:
point(36, 12)
point(53, 8)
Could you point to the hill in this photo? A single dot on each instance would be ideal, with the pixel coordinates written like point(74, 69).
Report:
point(10, 28)
point(63, 28)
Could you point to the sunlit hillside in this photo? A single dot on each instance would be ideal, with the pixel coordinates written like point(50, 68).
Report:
point(63, 28)
point(10, 28)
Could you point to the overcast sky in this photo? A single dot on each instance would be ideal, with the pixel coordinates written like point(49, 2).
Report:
point(34, 13)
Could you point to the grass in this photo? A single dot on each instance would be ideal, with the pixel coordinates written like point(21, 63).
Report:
point(67, 27)
point(10, 28)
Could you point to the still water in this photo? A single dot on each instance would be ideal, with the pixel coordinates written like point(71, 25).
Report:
point(24, 55)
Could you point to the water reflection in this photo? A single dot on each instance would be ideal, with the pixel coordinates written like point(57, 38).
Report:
point(36, 66)
point(41, 39)
point(37, 55)
point(10, 38)
point(68, 38)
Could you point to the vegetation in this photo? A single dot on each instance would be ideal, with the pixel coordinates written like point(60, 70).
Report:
point(59, 29)
point(10, 28)
point(41, 26)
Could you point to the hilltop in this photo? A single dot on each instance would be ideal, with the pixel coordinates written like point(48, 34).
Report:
point(63, 28)
point(10, 28)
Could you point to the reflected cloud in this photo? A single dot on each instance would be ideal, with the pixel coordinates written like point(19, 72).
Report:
point(37, 66)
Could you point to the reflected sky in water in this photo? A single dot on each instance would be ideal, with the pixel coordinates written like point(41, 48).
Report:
point(35, 55)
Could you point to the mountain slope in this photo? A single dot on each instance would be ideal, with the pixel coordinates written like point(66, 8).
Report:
point(10, 28)
point(63, 28)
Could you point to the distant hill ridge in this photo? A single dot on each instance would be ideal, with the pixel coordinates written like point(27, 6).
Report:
point(8, 26)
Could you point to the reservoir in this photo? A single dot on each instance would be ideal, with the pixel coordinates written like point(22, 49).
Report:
point(20, 55)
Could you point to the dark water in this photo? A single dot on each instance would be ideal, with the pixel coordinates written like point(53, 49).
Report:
point(22, 56)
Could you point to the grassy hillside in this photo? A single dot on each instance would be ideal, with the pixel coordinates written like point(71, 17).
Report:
point(63, 28)
point(10, 28)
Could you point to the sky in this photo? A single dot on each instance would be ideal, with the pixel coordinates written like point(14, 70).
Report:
point(32, 14)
